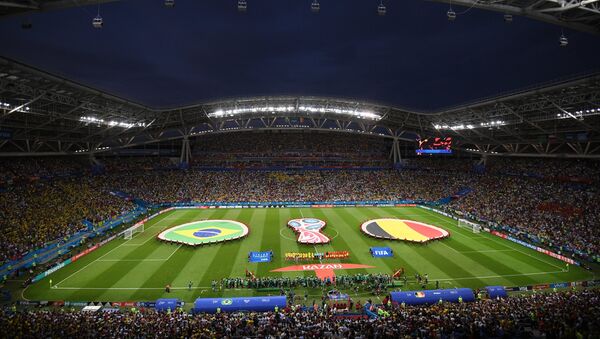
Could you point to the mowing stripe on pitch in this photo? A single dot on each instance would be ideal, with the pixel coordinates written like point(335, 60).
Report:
point(136, 260)
point(506, 246)
point(105, 254)
point(209, 287)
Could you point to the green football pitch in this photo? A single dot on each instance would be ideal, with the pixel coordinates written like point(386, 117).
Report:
point(139, 269)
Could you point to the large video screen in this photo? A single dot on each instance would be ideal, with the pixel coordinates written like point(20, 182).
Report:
point(435, 145)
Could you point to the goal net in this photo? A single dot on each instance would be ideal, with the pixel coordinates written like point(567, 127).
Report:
point(137, 228)
point(474, 227)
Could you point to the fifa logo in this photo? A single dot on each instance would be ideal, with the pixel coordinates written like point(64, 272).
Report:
point(309, 230)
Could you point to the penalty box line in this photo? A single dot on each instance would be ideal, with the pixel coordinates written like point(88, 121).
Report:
point(142, 260)
point(204, 288)
point(107, 253)
point(492, 237)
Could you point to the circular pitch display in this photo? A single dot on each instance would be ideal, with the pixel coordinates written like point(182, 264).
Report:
point(205, 232)
point(309, 230)
point(407, 230)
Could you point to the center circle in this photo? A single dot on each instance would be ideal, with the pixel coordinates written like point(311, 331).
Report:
point(207, 232)
point(283, 230)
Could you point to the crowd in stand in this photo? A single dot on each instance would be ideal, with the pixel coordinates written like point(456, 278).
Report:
point(572, 314)
point(275, 144)
point(35, 214)
point(555, 201)
point(586, 170)
point(26, 170)
point(571, 219)
point(247, 150)
point(260, 186)
point(371, 281)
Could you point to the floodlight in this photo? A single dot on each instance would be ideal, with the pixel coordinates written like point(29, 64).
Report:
point(242, 5)
point(563, 41)
point(98, 22)
point(451, 15)
point(315, 6)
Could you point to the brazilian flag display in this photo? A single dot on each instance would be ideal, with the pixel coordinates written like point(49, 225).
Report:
point(205, 232)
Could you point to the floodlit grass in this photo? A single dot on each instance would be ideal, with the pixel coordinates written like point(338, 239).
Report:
point(139, 269)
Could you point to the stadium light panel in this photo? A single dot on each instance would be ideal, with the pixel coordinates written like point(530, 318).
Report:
point(111, 123)
point(459, 127)
point(7, 106)
point(286, 109)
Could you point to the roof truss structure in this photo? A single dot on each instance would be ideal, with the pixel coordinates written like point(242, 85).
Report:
point(42, 114)
point(16, 7)
point(582, 15)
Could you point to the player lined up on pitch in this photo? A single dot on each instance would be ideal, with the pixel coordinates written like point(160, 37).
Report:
point(346, 281)
point(307, 256)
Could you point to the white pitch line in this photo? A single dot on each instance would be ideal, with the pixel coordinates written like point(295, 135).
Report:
point(130, 288)
point(477, 251)
point(169, 257)
point(468, 235)
point(487, 251)
point(105, 254)
point(492, 237)
point(496, 276)
point(84, 267)
point(133, 260)
point(207, 287)
point(450, 247)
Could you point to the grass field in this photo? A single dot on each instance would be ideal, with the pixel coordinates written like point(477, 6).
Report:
point(138, 269)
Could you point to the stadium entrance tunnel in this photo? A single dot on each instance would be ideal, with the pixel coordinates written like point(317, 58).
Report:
point(496, 292)
point(249, 304)
point(165, 305)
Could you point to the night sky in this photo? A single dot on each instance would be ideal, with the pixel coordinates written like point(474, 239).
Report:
point(206, 50)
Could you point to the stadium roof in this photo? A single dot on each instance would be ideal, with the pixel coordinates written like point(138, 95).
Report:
point(46, 114)
point(583, 15)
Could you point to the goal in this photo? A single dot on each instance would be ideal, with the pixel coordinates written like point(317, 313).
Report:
point(475, 227)
point(128, 233)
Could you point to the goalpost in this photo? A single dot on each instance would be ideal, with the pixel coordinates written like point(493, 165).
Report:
point(128, 233)
point(474, 227)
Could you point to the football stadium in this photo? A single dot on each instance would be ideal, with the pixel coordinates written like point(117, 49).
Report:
point(307, 169)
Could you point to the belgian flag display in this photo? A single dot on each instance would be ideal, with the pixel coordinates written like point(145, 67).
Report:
point(397, 229)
